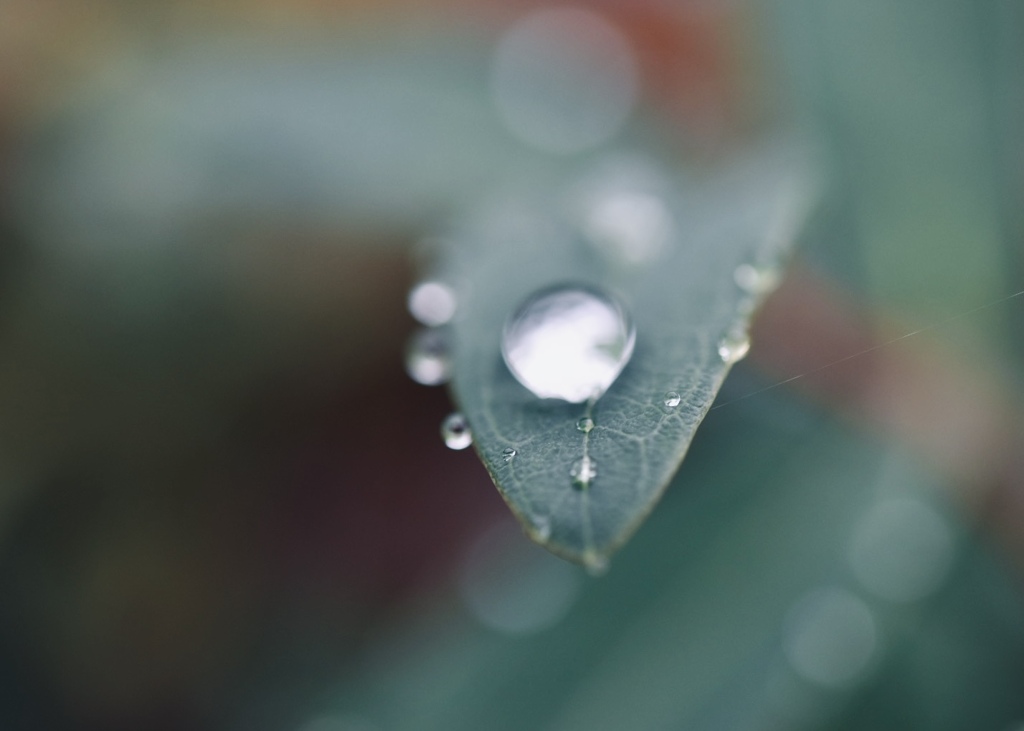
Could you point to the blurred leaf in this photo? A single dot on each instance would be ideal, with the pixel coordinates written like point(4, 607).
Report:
point(689, 628)
point(684, 304)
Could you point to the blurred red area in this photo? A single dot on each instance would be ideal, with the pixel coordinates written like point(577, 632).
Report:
point(959, 414)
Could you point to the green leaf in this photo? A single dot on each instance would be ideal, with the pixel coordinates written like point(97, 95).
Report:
point(684, 304)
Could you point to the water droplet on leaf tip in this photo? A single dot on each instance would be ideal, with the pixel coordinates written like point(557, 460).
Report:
point(595, 563)
point(585, 425)
point(455, 432)
point(508, 454)
point(583, 472)
point(427, 360)
point(672, 399)
point(568, 342)
point(733, 347)
point(432, 303)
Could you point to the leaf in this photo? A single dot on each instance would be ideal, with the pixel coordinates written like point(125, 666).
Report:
point(684, 303)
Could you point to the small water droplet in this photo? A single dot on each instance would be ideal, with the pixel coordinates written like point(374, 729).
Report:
point(596, 564)
point(734, 346)
point(756, 279)
point(568, 342)
point(583, 472)
point(508, 454)
point(455, 432)
point(672, 399)
point(585, 425)
point(427, 359)
point(432, 303)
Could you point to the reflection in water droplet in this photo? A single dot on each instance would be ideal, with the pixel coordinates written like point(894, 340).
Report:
point(672, 399)
point(432, 303)
point(585, 425)
point(629, 227)
point(568, 342)
point(427, 359)
point(901, 550)
point(734, 346)
point(511, 585)
point(595, 563)
point(830, 636)
point(756, 280)
point(564, 79)
point(508, 454)
point(455, 431)
point(583, 472)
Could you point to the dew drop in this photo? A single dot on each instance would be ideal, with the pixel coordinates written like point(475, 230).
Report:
point(756, 280)
point(583, 472)
point(734, 346)
point(585, 425)
point(427, 359)
point(455, 432)
point(432, 303)
point(568, 342)
point(672, 399)
point(508, 454)
point(595, 563)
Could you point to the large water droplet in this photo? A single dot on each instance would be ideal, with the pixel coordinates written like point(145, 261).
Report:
point(585, 425)
point(427, 359)
point(455, 432)
point(672, 400)
point(568, 342)
point(583, 472)
point(734, 346)
point(432, 303)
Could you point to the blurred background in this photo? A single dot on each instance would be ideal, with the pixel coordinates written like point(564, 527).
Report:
point(224, 505)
